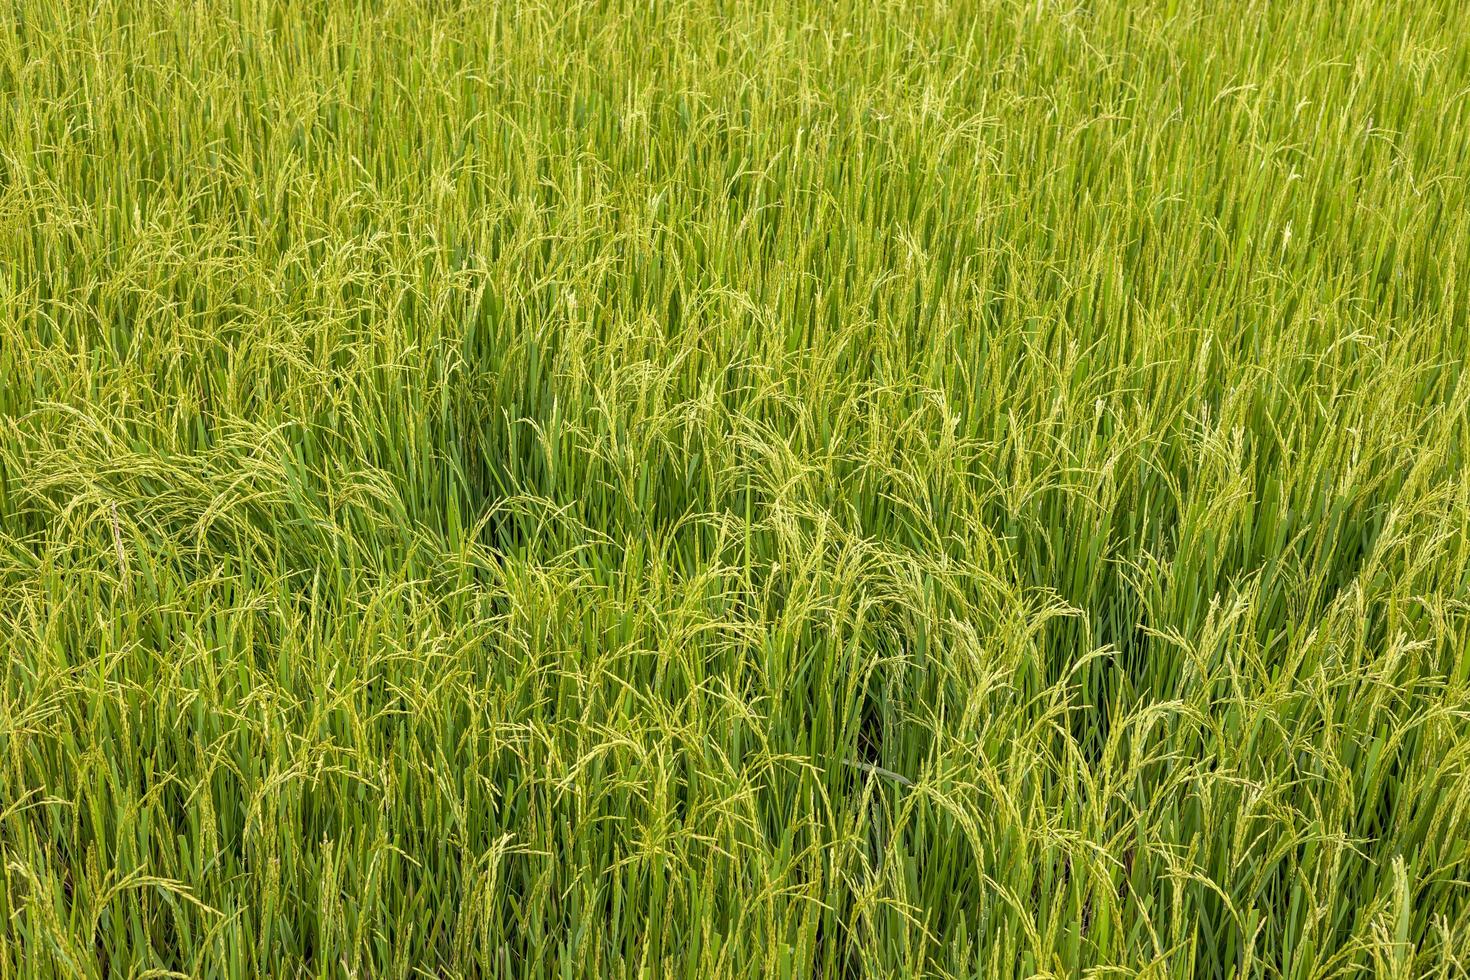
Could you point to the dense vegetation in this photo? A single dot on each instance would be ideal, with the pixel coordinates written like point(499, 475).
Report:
point(705, 488)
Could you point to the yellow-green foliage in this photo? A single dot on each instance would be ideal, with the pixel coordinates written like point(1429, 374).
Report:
point(706, 488)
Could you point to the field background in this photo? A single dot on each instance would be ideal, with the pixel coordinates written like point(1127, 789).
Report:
point(723, 489)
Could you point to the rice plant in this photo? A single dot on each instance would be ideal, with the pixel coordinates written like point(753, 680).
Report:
point(718, 489)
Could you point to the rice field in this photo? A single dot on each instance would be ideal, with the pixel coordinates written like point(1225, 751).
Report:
point(720, 489)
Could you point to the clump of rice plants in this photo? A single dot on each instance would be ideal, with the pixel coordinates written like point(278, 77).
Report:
point(716, 489)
